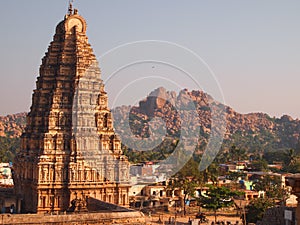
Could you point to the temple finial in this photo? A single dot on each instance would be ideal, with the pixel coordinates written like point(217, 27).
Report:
point(70, 10)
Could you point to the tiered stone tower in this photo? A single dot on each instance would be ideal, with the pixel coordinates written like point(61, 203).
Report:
point(69, 151)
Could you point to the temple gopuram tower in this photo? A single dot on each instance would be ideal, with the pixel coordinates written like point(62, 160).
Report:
point(69, 150)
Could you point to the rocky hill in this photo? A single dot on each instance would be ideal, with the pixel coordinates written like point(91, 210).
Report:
point(254, 132)
point(11, 128)
point(13, 125)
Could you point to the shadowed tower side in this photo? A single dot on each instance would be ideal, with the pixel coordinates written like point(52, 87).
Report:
point(69, 150)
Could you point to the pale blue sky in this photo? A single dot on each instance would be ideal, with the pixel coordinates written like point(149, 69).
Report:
point(253, 47)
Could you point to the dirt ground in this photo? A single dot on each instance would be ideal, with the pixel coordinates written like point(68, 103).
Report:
point(166, 218)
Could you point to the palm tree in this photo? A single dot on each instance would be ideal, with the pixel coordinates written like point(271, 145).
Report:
point(291, 157)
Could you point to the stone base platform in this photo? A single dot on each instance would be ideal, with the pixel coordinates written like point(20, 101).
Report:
point(103, 218)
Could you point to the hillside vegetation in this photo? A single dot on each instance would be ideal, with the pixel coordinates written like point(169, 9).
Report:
point(256, 133)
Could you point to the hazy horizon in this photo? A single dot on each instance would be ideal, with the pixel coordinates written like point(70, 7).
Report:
point(252, 47)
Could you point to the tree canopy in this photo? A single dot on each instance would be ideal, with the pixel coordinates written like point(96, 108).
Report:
point(8, 148)
point(187, 179)
point(217, 198)
point(256, 208)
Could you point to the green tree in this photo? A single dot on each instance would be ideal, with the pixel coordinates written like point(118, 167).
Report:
point(234, 177)
point(293, 168)
point(237, 154)
point(291, 162)
point(211, 173)
point(290, 157)
point(187, 180)
point(272, 187)
point(256, 208)
point(217, 198)
point(259, 165)
point(8, 148)
point(272, 156)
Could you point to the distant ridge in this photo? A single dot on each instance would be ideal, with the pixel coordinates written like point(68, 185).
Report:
point(12, 125)
point(255, 132)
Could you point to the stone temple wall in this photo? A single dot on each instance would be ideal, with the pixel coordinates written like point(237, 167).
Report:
point(69, 150)
point(134, 218)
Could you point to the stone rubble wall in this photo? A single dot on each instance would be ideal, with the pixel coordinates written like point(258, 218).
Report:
point(134, 218)
point(274, 216)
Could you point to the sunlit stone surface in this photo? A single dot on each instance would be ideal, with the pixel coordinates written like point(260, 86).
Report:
point(69, 151)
